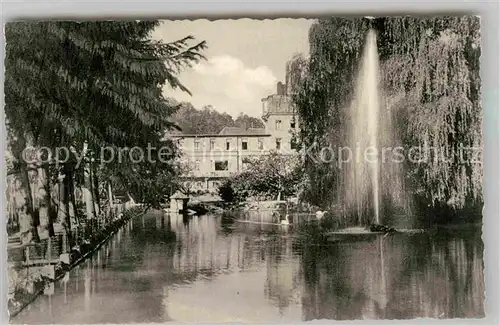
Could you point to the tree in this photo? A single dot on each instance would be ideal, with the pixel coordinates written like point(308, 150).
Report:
point(186, 182)
point(438, 89)
point(274, 175)
point(92, 85)
point(209, 121)
point(430, 75)
point(296, 72)
point(244, 121)
point(230, 193)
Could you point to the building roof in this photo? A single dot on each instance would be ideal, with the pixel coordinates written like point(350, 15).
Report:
point(259, 131)
point(231, 130)
point(241, 131)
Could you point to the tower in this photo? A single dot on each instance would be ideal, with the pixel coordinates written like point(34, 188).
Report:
point(279, 119)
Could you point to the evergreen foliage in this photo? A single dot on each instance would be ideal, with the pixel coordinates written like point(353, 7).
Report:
point(95, 84)
point(209, 121)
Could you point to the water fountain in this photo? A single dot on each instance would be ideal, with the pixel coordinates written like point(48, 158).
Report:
point(373, 180)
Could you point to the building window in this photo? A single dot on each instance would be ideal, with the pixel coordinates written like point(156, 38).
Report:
point(292, 124)
point(293, 144)
point(228, 144)
point(246, 162)
point(261, 144)
point(197, 145)
point(278, 124)
point(197, 165)
point(221, 165)
point(212, 144)
point(244, 144)
point(278, 144)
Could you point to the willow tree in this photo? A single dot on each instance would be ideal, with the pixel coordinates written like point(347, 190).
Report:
point(430, 69)
point(440, 85)
point(324, 93)
point(92, 84)
point(295, 72)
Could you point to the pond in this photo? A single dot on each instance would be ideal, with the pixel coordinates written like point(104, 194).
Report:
point(160, 269)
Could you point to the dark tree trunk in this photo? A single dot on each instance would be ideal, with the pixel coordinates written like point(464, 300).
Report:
point(87, 193)
point(72, 201)
point(63, 215)
point(66, 200)
point(29, 231)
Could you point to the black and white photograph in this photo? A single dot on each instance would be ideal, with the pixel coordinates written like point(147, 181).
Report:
point(244, 170)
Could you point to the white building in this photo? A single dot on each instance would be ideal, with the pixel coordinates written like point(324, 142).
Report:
point(213, 157)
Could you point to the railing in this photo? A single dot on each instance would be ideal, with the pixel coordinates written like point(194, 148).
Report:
point(48, 251)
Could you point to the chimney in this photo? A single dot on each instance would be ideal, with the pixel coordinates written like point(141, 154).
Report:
point(280, 89)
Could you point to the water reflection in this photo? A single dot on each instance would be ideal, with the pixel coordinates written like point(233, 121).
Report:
point(158, 269)
point(425, 275)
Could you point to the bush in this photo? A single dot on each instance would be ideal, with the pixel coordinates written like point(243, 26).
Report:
point(229, 194)
point(226, 192)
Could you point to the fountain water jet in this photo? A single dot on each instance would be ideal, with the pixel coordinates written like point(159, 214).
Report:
point(370, 131)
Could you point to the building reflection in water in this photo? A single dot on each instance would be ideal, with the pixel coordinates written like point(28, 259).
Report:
point(161, 268)
point(283, 282)
point(241, 276)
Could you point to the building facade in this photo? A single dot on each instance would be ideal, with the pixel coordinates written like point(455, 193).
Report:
point(210, 158)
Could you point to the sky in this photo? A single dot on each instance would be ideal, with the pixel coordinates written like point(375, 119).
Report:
point(245, 59)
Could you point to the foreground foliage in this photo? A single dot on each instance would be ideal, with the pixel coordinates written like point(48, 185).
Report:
point(86, 86)
point(430, 75)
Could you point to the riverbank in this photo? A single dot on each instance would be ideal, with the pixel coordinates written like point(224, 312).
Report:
point(150, 272)
point(23, 291)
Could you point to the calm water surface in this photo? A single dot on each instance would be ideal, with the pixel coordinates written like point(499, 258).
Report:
point(160, 269)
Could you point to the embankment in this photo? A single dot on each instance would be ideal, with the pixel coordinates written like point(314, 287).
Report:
point(25, 289)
